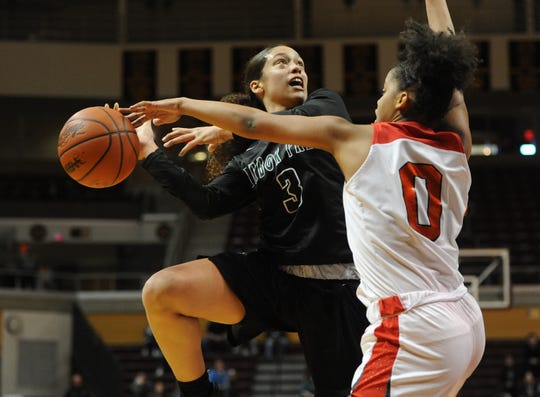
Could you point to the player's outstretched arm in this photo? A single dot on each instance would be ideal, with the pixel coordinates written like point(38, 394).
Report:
point(348, 142)
point(316, 132)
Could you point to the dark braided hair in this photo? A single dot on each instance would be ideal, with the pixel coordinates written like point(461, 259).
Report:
point(431, 66)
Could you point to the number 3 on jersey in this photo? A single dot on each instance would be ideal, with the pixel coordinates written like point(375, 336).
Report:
point(289, 182)
point(421, 185)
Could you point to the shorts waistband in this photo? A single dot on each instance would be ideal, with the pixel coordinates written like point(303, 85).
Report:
point(396, 304)
point(334, 271)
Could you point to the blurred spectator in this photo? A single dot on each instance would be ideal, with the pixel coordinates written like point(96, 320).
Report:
point(158, 390)
point(150, 346)
point(532, 354)
point(77, 387)
point(249, 348)
point(141, 385)
point(27, 266)
point(221, 376)
point(9, 261)
point(529, 386)
point(44, 277)
point(175, 391)
point(307, 388)
point(275, 343)
point(509, 376)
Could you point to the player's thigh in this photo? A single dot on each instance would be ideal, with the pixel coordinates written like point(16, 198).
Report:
point(195, 289)
point(440, 345)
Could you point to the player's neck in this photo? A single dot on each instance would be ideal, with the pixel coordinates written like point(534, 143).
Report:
point(274, 107)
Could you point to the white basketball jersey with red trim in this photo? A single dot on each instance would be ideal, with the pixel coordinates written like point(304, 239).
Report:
point(404, 209)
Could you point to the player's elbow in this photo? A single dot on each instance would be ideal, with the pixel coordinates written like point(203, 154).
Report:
point(248, 126)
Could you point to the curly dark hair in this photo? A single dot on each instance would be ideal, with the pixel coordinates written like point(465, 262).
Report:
point(226, 151)
point(431, 66)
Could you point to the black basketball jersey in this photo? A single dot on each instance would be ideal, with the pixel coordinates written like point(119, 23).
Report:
point(298, 189)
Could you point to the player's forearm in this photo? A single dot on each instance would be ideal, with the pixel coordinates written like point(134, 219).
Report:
point(240, 119)
point(203, 201)
point(438, 16)
point(457, 119)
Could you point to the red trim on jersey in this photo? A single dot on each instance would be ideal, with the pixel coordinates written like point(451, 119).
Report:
point(375, 378)
point(390, 306)
point(388, 132)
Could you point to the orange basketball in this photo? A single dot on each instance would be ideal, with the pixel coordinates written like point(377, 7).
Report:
point(98, 147)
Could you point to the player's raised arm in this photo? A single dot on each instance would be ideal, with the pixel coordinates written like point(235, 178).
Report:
point(457, 118)
point(438, 15)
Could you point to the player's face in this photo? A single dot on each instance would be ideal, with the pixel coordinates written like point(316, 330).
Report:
point(386, 105)
point(284, 82)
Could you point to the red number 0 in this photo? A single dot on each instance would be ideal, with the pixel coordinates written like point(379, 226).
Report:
point(422, 194)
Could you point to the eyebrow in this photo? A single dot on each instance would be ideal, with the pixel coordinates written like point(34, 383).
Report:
point(285, 55)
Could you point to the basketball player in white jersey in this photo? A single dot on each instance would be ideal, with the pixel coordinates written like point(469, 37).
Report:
point(405, 196)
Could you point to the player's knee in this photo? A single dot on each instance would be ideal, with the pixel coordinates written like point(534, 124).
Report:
point(156, 290)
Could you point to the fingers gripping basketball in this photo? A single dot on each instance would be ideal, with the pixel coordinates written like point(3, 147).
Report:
point(98, 147)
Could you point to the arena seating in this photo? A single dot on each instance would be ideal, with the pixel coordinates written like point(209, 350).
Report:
point(504, 213)
point(131, 361)
point(485, 382)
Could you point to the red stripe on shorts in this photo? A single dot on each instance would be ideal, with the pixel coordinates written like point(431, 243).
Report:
point(375, 379)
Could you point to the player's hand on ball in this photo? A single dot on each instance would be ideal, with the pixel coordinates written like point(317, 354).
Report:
point(136, 119)
point(116, 106)
point(98, 147)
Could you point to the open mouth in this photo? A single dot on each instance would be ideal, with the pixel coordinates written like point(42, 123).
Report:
point(296, 82)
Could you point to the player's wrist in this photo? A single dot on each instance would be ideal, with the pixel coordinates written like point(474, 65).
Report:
point(180, 105)
point(146, 151)
point(225, 136)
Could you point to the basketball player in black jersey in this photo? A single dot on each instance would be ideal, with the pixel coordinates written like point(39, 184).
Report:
point(299, 279)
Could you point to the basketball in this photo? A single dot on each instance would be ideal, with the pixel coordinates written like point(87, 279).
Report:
point(98, 147)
